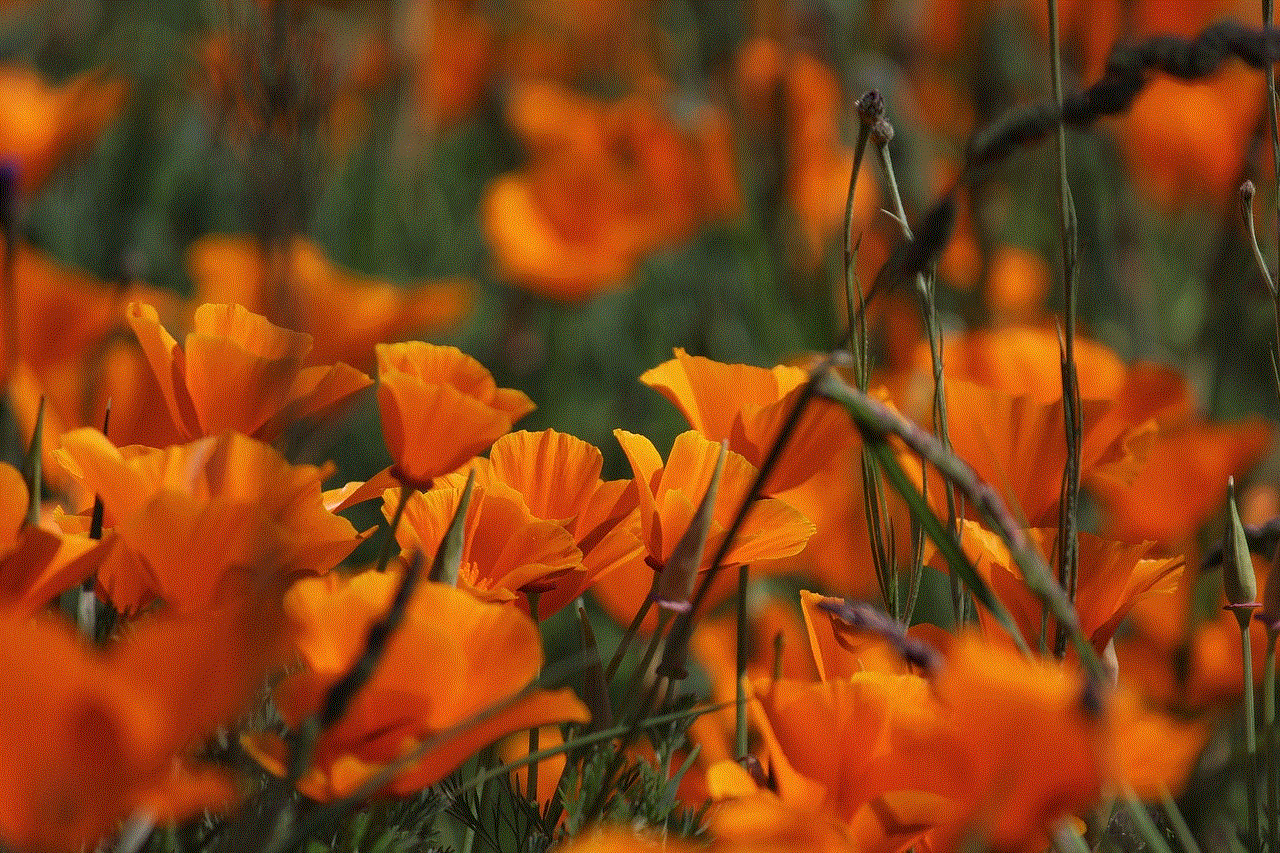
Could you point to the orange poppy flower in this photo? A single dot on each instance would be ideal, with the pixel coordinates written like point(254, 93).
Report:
point(1113, 576)
point(841, 650)
point(748, 406)
point(440, 407)
point(1183, 481)
point(453, 56)
point(198, 523)
point(777, 638)
point(507, 552)
point(88, 738)
point(1017, 284)
point(1174, 156)
point(40, 124)
point(36, 564)
point(299, 288)
point(239, 372)
point(557, 477)
point(1017, 445)
point(1181, 665)
point(607, 183)
point(436, 673)
point(73, 349)
point(818, 159)
point(998, 710)
point(833, 752)
point(668, 498)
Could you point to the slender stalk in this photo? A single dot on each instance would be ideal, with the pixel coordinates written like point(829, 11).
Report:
point(925, 287)
point(1144, 824)
point(1244, 615)
point(877, 422)
point(1186, 838)
point(1271, 761)
point(1068, 555)
point(632, 630)
point(739, 691)
point(633, 686)
point(531, 788)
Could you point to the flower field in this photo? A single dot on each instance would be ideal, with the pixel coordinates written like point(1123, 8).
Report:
point(614, 425)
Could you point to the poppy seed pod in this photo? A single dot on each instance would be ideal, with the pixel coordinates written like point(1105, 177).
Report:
point(1237, 566)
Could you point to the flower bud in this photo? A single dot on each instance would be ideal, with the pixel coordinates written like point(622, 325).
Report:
point(1237, 566)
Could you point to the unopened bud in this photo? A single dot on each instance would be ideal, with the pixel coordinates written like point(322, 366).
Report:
point(1237, 566)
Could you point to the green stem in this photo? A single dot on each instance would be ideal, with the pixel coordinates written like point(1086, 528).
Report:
point(1068, 555)
point(531, 788)
point(629, 637)
point(1144, 824)
point(1271, 759)
point(664, 616)
point(925, 287)
point(740, 698)
point(1186, 839)
point(1244, 616)
point(388, 544)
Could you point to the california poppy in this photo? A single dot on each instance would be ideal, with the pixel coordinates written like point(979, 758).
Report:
point(90, 737)
point(435, 676)
point(40, 123)
point(607, 183)
point(668, 497)
point(748, 406)
point(298, 287)
point(440, 407)
point(557, 478)
point(199, 523)
point(239, 372)
point(507, 553)
point(36, 564)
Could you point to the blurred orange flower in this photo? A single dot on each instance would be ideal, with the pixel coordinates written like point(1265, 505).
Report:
point(37, 564)
point(748, 405)
point(88, 738)
point(1113, 576)
point(606, 184)
point(70, 345)
point(818, 160)
point(668, 497)
point(239, 372)
point(440, 407)
point(40, 124)
point(453, 54)
point(205, 522)
point(345, 314)
point(436, 674)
